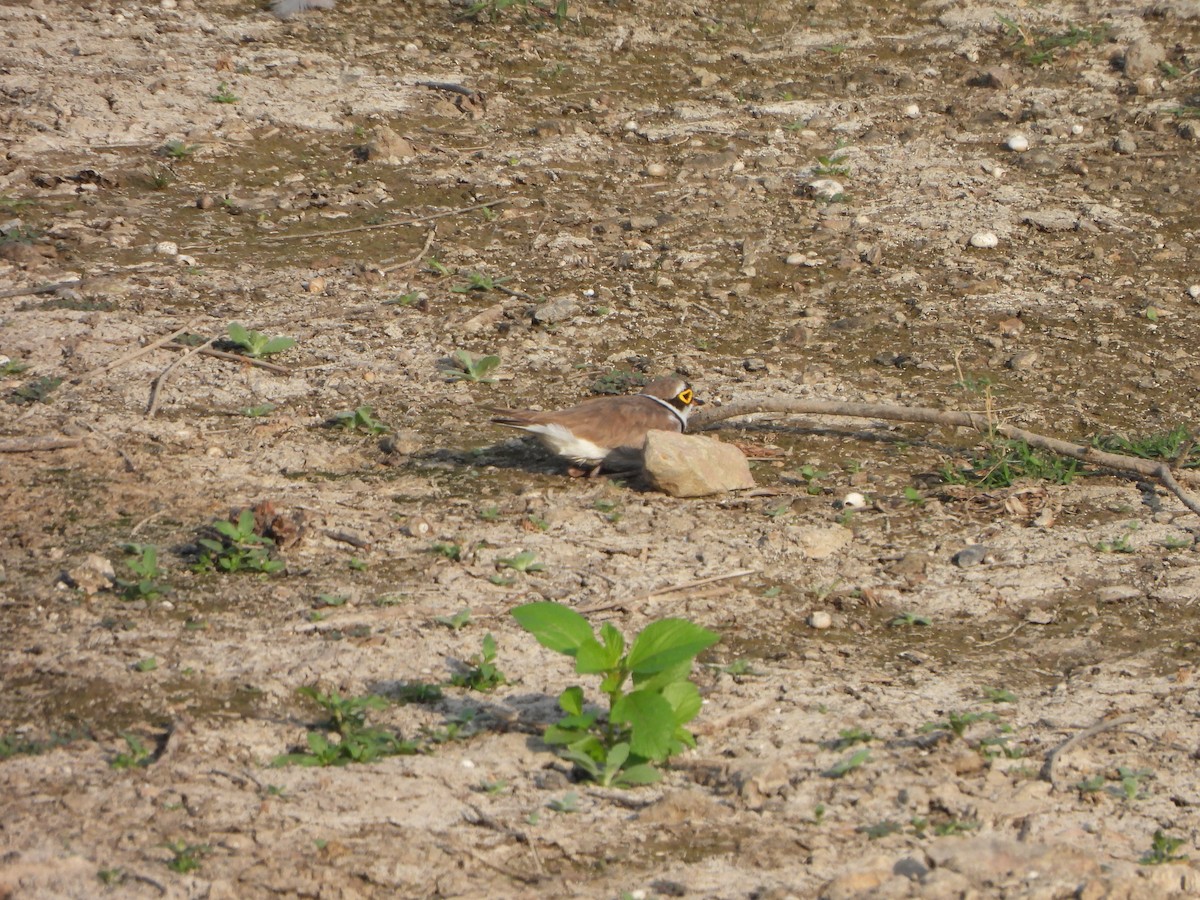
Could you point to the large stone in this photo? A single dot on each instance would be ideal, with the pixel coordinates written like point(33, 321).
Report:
point(685, 465)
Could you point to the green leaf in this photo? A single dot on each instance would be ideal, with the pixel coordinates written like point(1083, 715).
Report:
point(650, 723)
point(570, 701)
point(658, 680)
point(684, 698)
point(613, 640)
point(592, 657)
point(664, 643)
point(555, 626)
point(238, 334)
point(643, 773)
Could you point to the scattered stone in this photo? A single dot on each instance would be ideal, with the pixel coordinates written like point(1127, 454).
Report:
point(386, 146)
point(556, 311)
point(854, 500)
point(995, 77)
point(912, 111)
point(1194, 291)
point(795, 259)
point(1189, 130)
point(826, 188)
point(1125, 144)
point(1053, 219)
point(754, 364)
point(1142, 57)
point(984, 240)
point(656, 170)
point(1039, 616)
point(93, 575)
point(418, 527)
point(315, 285)
point(685, 465)
point(166, 248)
point(1012, 327)
point(971, 555)
point(1017, 143)
point(484, 319)
point(820, 620)
point(821, 543)
point(1026, 359)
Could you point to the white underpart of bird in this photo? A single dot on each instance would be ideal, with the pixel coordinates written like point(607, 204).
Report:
point(285, 9)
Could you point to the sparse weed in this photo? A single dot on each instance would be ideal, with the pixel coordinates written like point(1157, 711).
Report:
point(907, 619)
point(185, 857)
point(957, 723)
point(650, 695)
point(1040, 47)
point(144, 564)
point(136, 754)
point(848, 764)
point(255, 412)
point(482, 673)
point(1177, 446)
point(177, 149)
point(36, 390)
point(524, 562)
point(1002, 462)
point(255, 344)
point(451, 551)
point(357, 742)
point(224, 94)
point(475, 369)
point(479, 282)
point(1162, 850)
point(237, 548)
point(999, 695)
point(360, 419)
point(567, 803)
point(831, 165)
point(848, 737)
point(11, 366)
point(460, 619)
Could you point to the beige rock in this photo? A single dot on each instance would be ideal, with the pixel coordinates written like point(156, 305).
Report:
point(389, 147)
point(685, 465)
point(1142, 58)
point(93, 575)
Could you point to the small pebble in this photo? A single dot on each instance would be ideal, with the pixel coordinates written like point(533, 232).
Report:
point(656, 170)
point(795, 259)
point(912, 111)
point(820, 620)
point(854, 500)
point(1076, 129)
point(984, 240)
point(1017, 143)
point(1194, 291)
point(468, 764)
point(754, 364)
point(631, 125)
point(826, 187)
point(971, 555)
point(1026, 359)
point(166, 248)
point(1125, 144)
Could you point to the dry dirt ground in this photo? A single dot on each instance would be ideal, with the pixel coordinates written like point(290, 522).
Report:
point(182, 166)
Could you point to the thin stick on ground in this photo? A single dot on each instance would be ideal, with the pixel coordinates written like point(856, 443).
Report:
point(952, 419)
point(417, 220)
point(395, 267)
point(235, 357)
point(40, 288)
point(669, 589)
point(134, 354)
point(161, 381)
point(38, 445)
point(1053, 756)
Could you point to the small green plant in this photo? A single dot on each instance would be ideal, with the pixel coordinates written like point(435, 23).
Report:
point(1040, 47)
point(224, 94)
point(177, 149)
point(1131, 783)
point(831, 165)
point(489, 513)
point(36, 390)
point(478, 282)
point(185, 857)
point(957, 723)
point(347, 719)
point(848, 737)
point(412, 298)
point(111, 877)
point(476, 369)
point(144, 564)
point(11, 366)
point(460, 619)
point(136, 754)
point(458, 728)
point(880, 829)
point(524, 562)
point(999, 695)
point(913, 496)
point(972, 384)
point(492, 788)
point(449, 550)
point(1162, 850)
point(954, 827)
point(439, 269)
point(848, 764)
point(360, 419)
point(1002, 462)
point(256, 412)
point(1177, 446)
point(567, 803)
point(149, 664)
point(237, 548)
point(908, 619)
point(650, 695)
point(12, 745)
point(1090, 785)
point(255, 344)
point(1119, 544)
point(417, 692)
point(482, 673)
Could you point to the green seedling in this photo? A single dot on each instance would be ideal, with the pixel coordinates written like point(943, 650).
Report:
point(36, 390)
point(458, 728)
point(143, 564)
point(354, 564)
point(524, 562)
point(913, 496)
point(1039, 48)
point(357, 742)
point(256, 412)
point(478, 282)
point(831, 165)
point(360, 419)
point(972, 384)
point(650, 695)
point(999, 695)
point(1162, 850)
point(460, 619)
point(907, 619)
point(567, 803)
point(177, 149)
point(482, 674)
point(11, 745)
point(439, 269)
point(475, 369)
point(412, 298)
point(1177, 446)
point(880, 829)
point(998, 745)
point(224, 94)
point(489, 513)
point(255, 344)
point(818, 813)
point(1002, 462)
point(848, 764)
point(1090, 785)
point(417, 692)
point(185, 857)
point(11, 366)
point(111, 877)
point(957, 723)
point(237, 548)
point(1131, 783)
point(136, 754)
point(848, 737)
point(739, 668)
point(149, 664)
point(493, 788)
point(779, 510)
point(449, 550)
point(954, 827)
point(1120, 544)
point(328, 600)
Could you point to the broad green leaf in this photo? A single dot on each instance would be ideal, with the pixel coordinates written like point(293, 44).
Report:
point(643, 773)
point(650, 723)
point(584, 762)
point(617, 755)
point(570, 701)
point(656, 681)
point(489, 646)
point(238, 334)
point(593, 657)
point(555, 626)
point(613, 640)
point(666, 642)
point(685, 701)
point(277, 345)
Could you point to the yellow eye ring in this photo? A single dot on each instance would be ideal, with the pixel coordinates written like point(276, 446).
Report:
point(685, 396)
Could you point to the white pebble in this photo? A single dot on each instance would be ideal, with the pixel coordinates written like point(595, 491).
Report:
point(631, 125)
point(411, 48)
point(984, 240)
point(656, 170)
point(854, 500)
point(468, 763)
point(1194, 292)
point(184, 260)
point(912, 111)
point(1076, 129)
point(826, 187)
point(820, 620)
point(795, 259)
point(1017, 143)
point(166, 248)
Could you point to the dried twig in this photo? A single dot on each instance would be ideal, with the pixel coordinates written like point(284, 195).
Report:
point(134, 354)
point(275, 238)
point(669, 589)
point(948, 418)
point(40, 288)
point(387, 270)
point(1053, 756)
point(38, 445)
point(161, 380)
point(235, 357)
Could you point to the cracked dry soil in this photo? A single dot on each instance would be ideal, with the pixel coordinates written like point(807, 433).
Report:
point(184, 165)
